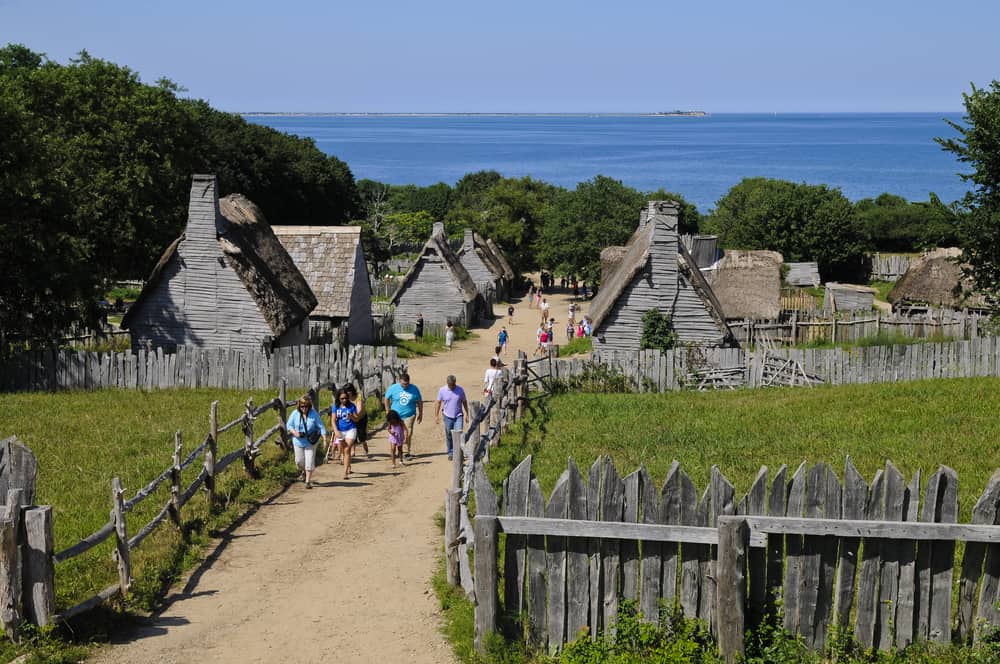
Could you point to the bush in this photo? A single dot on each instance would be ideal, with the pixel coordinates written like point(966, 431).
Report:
point(657, 331)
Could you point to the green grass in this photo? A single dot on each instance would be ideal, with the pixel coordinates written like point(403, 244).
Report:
point(882, 289)
point(429, 343)
point(83, 439)
point(880, 339)
point(916, 425)
point(127, 293)
point(578, 346)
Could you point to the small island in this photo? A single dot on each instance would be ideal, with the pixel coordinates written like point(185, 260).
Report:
point(681, 114)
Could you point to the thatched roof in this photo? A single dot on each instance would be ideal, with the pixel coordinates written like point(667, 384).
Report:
point(747, 283)
point(437, 243)
point(632, 262)
point(251, 249)
point(935, 279)
point(325, 255)
point(262, 264)
point(474, 242)
point(610, 258)
point(501, 260)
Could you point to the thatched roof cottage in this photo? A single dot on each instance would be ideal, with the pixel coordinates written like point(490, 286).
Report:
point(225, 282)
point(848, 297)
point(935, 280)
point(437, 286)
point(747, 284)
point(656, 271)
point(332, 261)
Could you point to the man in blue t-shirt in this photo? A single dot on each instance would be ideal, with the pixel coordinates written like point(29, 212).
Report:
point(404, 398)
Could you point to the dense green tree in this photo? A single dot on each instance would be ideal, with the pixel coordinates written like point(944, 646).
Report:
point(599, 213)
point(978, 145)
point(434, 199)
point(891, 223)
point(510, 211)
point(96, 173)
point(804, 222)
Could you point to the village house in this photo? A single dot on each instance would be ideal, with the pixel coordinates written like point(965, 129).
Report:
point(802, 275)
point(655, 271)
point(226, 282)
point(332, 261)
point(934, 280)
point(437, 286)
point(747, 284)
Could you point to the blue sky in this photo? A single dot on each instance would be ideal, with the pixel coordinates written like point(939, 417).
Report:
point(535, 56)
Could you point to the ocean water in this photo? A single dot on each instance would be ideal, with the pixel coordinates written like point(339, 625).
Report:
point(862, 154)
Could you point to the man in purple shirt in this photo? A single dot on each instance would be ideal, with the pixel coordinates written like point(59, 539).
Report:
point(452, 397)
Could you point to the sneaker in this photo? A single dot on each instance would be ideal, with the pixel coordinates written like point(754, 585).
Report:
point(408, 456)
point(449, 457)
point(309, 485)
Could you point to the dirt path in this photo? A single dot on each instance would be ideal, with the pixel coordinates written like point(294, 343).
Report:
point(341, 572)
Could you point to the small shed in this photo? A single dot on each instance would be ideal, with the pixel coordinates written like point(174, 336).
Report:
point(437, 286)
point(226, 282)
point(848, 297)
point(935, 280)
point(803, 275)
point(747, 284)
point(332, 261)
point(483, 265)
point(656, 271)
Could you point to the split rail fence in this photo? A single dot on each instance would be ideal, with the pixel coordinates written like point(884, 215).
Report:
point(31, 547)
point(876, 560)
point(53, 370)
point(655, 371)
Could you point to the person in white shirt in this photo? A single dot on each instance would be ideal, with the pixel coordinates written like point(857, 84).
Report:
point(492, 378)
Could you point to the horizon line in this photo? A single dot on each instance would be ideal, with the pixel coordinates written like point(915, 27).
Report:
point(679, 113)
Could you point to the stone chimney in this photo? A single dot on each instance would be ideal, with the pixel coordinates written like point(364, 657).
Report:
point(438, 229)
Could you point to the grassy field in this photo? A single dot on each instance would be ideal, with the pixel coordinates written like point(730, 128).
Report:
point(917, 425)
point(83, 439)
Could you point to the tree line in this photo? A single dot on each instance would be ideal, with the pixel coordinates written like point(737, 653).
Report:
point(95, 173)
point(95, 170)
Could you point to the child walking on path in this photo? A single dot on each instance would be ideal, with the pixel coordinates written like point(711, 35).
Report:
point(502, 340)
point(397, 434)
point(345, 417)
point(449, 335)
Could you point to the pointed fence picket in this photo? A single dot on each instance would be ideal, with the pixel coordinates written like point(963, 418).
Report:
point(795, 544)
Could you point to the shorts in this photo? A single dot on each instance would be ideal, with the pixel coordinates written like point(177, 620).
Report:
point(350, 436)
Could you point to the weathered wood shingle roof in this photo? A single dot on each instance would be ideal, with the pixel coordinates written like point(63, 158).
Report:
point(437, 243)
point(325, 255)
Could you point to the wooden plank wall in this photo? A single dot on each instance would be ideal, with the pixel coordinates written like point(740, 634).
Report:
point(659, 372)
point(898, 592)
point(301, 366)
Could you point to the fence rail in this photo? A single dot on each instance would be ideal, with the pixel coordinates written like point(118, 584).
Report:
point(655, 371)
point(793, 542)
point(804, 327)
point(197, 367)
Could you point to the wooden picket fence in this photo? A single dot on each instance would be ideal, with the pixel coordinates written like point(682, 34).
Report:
point(31, 545)
point(876, 560)
point(53, 370)
point(682, 368)
point(889, 267)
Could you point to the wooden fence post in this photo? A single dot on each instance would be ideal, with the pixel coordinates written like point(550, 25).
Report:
point(175, 482)
point(248, 439)
point(121, 536)
point(210, 452)
point(283, 413)
point(731, 585)
point(522, 389)
point(38, 570)
point(486, 572)
point(10, 570)
point(452, 514)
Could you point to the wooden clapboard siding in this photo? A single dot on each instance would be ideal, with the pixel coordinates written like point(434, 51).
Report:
point(432, 291)
point(691, 318)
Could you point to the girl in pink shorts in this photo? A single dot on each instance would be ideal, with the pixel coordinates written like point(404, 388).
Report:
point(397, 434)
